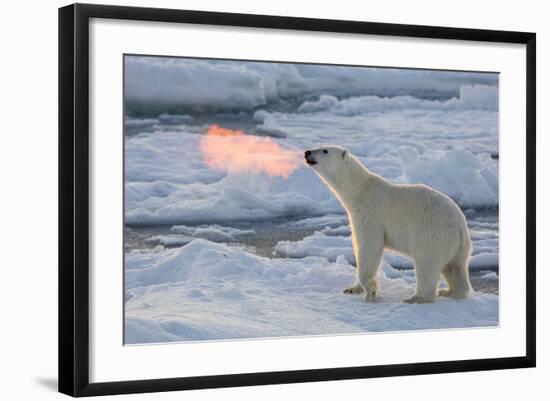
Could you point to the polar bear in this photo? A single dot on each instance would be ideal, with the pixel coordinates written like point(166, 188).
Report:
point(414, 220)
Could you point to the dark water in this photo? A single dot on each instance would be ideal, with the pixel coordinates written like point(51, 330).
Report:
point(268, 234)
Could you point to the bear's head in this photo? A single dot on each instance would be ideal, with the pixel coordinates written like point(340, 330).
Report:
point(329, 162)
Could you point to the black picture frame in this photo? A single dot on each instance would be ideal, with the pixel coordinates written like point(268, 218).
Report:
point(74, 198)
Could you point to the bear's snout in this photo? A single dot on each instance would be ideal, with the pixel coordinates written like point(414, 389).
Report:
point(309, 157)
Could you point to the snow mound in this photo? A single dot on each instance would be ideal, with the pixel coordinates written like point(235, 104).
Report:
point(215, 233)
point(318, 244)
point(168, 85)
point(477, 97)
point(199, 260)
point(236, 197)
point(470, 181)
point(482, 261)
point(169, 240)
point(328, 220)
point(182, 235)
point(232, 204)
point(209, 291)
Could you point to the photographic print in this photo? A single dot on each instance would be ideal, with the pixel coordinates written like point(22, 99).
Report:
point(278, 199)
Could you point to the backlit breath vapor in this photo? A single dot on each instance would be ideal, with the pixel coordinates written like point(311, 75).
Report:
point(236, 152)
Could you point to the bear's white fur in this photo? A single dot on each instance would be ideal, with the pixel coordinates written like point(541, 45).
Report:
point(415, 220)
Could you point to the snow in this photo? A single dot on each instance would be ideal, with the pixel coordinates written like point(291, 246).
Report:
point(182, 235)
point(167, 182)
point(155, 84)
point(200, 275)
point(318, 244)
point(477, 97)
point(214, 232)
point(329, 220)
point(447, 144)
point(169, 240)
point(457, 173)
point(209, 291)
point(483, 260)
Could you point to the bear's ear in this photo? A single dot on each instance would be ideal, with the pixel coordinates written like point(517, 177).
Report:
point(344, 153)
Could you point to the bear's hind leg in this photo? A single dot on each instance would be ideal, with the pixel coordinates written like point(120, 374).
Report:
point(458, 280)
point(427, 280)
point(447, 275)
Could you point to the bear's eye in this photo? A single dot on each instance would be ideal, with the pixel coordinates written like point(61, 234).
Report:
point(325, 151)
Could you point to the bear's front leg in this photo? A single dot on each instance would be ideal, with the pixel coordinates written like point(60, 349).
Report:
point(372, 290)
point(354, 289)
point(368, 253)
